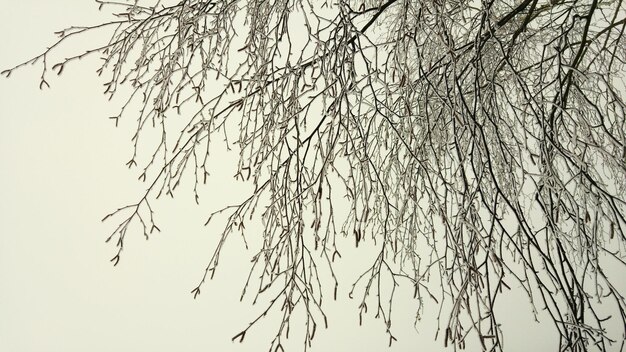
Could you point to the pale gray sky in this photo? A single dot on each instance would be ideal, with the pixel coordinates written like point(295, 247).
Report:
point(63, 170)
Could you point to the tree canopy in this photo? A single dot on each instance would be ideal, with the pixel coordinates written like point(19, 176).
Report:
point(480, 144)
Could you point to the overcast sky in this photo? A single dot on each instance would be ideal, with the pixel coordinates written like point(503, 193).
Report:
point(62, 169)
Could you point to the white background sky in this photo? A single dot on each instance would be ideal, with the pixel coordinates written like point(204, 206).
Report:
point(62, 169)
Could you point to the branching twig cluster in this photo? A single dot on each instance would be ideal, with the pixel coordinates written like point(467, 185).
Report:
point(480, 144)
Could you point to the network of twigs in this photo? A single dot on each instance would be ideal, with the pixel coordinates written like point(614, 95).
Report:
point(480, 144)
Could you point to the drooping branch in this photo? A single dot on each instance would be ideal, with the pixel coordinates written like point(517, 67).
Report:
point(481, 146)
